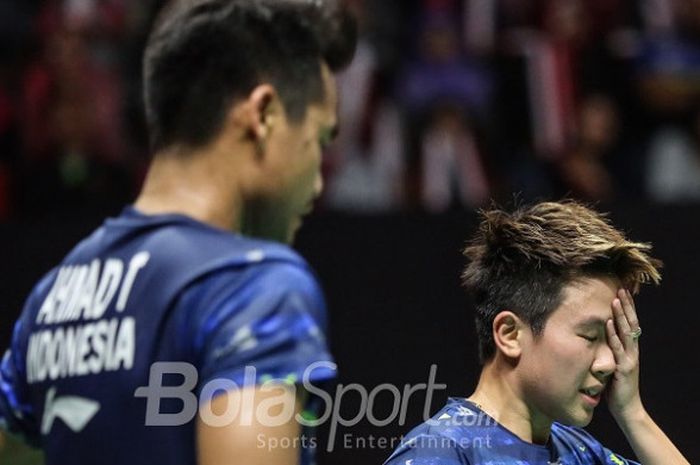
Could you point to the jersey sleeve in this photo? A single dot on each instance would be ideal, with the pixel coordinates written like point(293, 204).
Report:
point(16, 411)
point(265, 324)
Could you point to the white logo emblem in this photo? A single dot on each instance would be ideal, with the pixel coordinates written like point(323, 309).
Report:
point(76, 412)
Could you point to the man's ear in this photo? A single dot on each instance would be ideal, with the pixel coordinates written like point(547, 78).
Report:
point(507, 333)
point(261, 111)
point(252, 119)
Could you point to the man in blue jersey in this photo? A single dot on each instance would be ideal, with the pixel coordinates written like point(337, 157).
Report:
point(162, 337)
point(558, 330)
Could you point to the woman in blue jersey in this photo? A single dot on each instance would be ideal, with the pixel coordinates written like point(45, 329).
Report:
point(558, 331)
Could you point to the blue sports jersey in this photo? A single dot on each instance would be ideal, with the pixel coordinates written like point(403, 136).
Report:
point(462, 434)
point(144, 289)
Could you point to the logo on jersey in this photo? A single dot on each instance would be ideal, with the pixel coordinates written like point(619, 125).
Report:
point(75, 412)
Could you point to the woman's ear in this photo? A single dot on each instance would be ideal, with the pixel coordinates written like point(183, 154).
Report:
point(508, 334)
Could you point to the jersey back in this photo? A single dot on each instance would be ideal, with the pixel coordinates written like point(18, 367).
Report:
point(145, 289)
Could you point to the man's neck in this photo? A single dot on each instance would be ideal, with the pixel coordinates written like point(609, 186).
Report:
point(499, 396)
point(193, 185)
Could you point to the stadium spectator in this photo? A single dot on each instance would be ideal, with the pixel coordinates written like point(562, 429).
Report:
point(445, 94)
point(366, 166)
point(673, 163)
point(73, 144)
point(584, 171)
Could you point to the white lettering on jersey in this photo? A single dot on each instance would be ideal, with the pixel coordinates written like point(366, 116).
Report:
point(78, 351)
point(82, 292)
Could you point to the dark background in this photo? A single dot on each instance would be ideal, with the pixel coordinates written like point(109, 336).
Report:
point(392, 284)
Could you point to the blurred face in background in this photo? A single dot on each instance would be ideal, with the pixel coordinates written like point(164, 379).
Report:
point(566, 19)
point(687, 13)
point(439, 40)
point(598, 123)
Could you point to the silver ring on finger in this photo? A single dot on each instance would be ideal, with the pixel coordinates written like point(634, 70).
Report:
point(636, 334)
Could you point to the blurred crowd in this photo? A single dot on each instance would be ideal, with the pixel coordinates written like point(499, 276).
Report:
point(449, 103)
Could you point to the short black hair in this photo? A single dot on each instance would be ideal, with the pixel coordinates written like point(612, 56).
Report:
point(521, 261)
point(203, 55)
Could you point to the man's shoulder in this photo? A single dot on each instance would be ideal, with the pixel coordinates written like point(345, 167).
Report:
point(177, 244)
point(158, 258)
